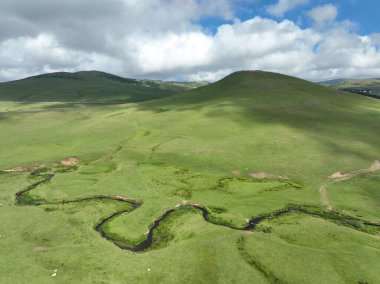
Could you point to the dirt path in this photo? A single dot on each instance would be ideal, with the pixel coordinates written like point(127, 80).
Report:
point(69, 161)
point(338, 176)
point(324, 198)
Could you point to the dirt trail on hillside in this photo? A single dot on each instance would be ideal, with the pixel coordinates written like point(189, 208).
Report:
point(70, 161)
point(324, 198)
point(17, 170)
point(262, 175)
point(338, 176)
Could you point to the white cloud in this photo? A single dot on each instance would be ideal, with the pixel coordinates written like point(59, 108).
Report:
point(283, 6)
point(257, 43)
point(25, 56)
point(142, 40)
point(323, 15)
point(170, 51)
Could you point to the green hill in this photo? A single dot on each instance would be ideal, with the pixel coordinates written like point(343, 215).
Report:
point(256, 178)
point(256, 85)
point(88, 86)
point(366, 87)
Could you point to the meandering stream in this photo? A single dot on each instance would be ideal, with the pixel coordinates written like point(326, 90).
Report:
point(22, 198)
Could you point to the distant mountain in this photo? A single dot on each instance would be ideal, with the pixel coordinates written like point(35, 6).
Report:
point(332, 82)
point(89, 86)
point(366, 87)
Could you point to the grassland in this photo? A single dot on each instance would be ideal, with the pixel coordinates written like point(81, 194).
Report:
point(250, 145)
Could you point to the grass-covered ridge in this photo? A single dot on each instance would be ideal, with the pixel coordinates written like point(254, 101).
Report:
point(88, 87)
point(249, 145)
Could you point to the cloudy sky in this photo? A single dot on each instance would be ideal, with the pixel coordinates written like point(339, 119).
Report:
point(190, 39)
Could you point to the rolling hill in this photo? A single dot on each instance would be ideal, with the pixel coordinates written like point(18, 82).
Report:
point(257, 178)
point(366, 87)
point(88, 87)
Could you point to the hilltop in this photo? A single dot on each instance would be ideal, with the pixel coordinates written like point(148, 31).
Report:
point(88, 86)
point(246, 89)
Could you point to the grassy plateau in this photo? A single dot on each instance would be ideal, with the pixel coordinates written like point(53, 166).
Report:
point(257, 178)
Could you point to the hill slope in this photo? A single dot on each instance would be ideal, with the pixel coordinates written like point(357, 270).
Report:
point(260, 102)
point(87, 86)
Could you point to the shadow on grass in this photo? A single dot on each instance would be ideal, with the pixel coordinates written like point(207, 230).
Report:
point(329, 116)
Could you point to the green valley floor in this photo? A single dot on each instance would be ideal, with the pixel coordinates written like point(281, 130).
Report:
point(257, 178)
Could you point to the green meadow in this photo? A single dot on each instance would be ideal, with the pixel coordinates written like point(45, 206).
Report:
point(250, 145)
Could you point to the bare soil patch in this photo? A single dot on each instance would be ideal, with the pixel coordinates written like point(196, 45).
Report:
point(338, 175)
point(41, 248)
point(262, 175)
point(23, 169)
point(375, 166)
point(16, 170)
point(70, 161)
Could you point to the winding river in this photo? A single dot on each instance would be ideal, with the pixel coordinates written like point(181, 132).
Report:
point(22, 198)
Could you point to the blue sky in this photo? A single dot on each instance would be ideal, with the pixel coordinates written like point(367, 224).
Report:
point(364, 14)
point(190, 39)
